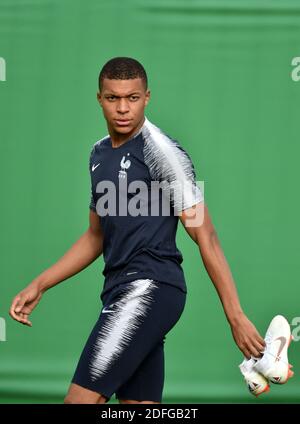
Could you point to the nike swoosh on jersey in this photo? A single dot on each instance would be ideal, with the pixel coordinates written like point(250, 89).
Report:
point(104, 310)
point(95, 166)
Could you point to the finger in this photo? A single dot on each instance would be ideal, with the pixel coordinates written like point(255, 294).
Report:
point(260, 340)
point(25, 321)
point(259, 346)
point(18, 317)
point(20, 305)
point(25, 317)
point(14, 315)
point(246, 352)
point(254, 352)
point(13, 306)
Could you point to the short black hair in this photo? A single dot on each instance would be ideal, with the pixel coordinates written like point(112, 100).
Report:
point(123, 68)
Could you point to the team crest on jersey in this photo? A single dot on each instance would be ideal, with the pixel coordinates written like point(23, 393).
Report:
point(124, 166)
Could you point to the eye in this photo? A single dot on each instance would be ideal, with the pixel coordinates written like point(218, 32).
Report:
point(134, 98)
point(111, 98)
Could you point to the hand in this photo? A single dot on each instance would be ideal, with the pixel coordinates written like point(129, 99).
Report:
point(24, 303)
point(247, 338)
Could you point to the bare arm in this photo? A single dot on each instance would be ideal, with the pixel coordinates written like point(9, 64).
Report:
point(81, 254)
point(245, 334)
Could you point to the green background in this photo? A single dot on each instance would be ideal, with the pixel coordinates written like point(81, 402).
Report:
point(220, 79)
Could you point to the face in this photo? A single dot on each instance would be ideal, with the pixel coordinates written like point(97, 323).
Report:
point(123, 103)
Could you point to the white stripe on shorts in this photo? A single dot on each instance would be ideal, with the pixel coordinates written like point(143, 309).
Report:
point(120, 326)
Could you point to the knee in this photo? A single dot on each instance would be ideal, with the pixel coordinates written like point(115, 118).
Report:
point(78, 394)
point(79, 400)
point(69, 400)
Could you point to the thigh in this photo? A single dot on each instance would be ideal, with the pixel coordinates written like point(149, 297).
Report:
point(147, 381)
point(134, 319)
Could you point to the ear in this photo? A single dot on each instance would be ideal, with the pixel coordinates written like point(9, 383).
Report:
point(147, 97)
point(99, 98)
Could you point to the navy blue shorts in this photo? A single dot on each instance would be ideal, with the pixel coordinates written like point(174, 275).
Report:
point(124, 353)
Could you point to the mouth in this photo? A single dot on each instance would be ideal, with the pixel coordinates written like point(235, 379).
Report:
point(122, 122)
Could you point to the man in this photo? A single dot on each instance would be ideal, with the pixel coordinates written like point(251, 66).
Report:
point(144, 291)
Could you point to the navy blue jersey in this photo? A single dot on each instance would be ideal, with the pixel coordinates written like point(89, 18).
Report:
point(138, 216)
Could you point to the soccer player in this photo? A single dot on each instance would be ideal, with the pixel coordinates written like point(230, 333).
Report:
point(142, 182)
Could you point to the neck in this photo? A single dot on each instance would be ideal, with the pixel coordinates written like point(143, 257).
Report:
point(117, 139)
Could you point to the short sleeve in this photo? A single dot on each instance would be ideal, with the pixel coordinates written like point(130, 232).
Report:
point(167, 161)
point(181, 175)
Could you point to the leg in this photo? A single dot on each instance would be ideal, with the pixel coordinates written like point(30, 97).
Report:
point(78, 394)
point(123, 338)
point(147, 381)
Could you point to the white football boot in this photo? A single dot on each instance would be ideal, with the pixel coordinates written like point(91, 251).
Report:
point(274, 364)
point(257, 383)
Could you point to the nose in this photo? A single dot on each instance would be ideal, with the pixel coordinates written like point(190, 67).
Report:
point(122, 105)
